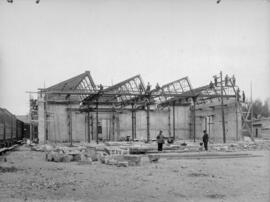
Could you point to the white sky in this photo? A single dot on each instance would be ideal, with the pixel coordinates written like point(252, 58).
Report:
point(163, 40)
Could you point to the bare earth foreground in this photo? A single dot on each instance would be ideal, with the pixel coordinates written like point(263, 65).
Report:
point(26, 176)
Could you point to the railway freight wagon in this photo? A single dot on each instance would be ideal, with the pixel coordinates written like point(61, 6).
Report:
point(11, 129)
point(19, 129)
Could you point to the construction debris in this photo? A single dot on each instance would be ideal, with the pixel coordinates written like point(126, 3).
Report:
point(124, 154)
point(153, 158)
point(67, 154)
point(121, 160)
point(5, 149)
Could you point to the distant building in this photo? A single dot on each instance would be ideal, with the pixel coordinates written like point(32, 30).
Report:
point(261, 128)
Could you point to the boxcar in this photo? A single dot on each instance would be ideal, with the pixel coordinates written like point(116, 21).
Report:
point(11, 129)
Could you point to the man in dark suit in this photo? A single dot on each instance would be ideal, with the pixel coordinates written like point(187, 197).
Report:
point(205, 140)
point(160, 140)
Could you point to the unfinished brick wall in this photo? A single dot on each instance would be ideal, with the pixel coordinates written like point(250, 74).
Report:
point(58, 129)
point(182, 120)
point(41, 130)
point(213, 110)
point(158, 121)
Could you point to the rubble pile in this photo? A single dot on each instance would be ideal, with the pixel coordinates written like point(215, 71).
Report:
point(242, 146)
point(125, 154)
point(67, 154)
point(110, 154)
point(121, 160)
point(153, 158)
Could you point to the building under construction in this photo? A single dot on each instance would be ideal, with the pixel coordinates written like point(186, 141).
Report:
point(79, 110)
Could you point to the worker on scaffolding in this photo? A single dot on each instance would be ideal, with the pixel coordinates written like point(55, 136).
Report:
point(148, 88)
point(243, 96)
point(226, 80)
point(160, 140)
point(211, 85)
point(157, 87)
point(233, 80)
point(205, 140)
point(238, 94)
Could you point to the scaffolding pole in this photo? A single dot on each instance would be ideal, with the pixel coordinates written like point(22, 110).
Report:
point(222, 109)
point(194, 119)
point(133, 121)
point(113, 125)
point(97, 122)
point(169, 121)
point(92, 126)
point(30, 117)
point(148, 121)
point(70, 126)
point(88, 125)
point(174, 120)
point(236, 120)
point(251, 110)
point(45, 118)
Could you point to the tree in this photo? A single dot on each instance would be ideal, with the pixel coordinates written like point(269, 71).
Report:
point(265, 109)
point(260, 109)
point(257, 108)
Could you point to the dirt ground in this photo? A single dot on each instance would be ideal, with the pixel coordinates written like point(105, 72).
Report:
point(26, 176)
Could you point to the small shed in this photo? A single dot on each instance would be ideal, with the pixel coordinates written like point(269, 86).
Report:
point(257, 130)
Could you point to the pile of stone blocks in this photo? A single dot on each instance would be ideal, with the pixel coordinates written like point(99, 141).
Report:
point(121, 160)
point(153, 158)
point(65, 154)
point(109, 155)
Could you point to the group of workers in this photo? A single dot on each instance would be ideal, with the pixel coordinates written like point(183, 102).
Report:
point(161, 140)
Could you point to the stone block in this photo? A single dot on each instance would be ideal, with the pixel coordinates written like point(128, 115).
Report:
point(57, 157)
point(119, 158)
point(111, 161)
point(153, 158)
point(83, 157)
point(92, 154)
point(47, 147)
point(133, 160)
point(67, 158)
point(122, 164)
point(76, 157)
point(101, 159)
point(49, 156)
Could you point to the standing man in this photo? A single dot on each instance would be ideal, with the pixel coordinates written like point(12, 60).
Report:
point(205, 140)
point(160, 140)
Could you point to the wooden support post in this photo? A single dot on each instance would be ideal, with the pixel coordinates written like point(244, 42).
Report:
point(92, 126)
point(135, 123)
point(205, 123)
point(148, 121)
point(251, 112)
point(113, 125)
point(70, 126)
point(30, 117)
point(174, 120)
point(45, 120)
point(169, 121)
point(88, 125)
point(194, 119)
point(209, 125)
point(222, 109)
point(71, 138)
point(132, 122)
point(97, 122)
point(31, 129)
point(236, 120)
point(4, 131)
